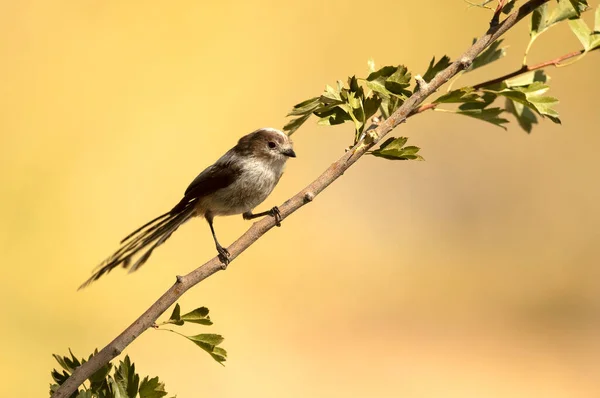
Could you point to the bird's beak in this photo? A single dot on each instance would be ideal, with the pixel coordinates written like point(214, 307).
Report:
point(289, 152)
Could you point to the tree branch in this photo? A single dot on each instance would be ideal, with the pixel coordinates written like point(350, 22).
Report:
point(305, 196)
point(524, 69)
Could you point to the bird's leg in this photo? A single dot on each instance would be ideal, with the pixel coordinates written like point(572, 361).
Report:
point(223, 253)
point(274, 212)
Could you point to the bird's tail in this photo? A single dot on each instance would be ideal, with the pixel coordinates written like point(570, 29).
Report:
point(150, 235)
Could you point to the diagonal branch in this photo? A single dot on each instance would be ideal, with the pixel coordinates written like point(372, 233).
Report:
point(303, 197)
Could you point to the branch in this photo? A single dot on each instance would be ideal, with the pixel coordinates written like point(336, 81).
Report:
point(303, 197)
point(524, 69)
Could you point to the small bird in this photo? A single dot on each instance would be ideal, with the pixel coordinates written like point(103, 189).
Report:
point(235, 184)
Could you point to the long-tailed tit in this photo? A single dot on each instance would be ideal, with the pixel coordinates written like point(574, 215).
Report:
point(238, 182)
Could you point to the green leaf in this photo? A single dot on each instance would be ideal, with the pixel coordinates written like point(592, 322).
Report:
point(542, 19)
point(532, 96)
point(579, 5)
point(490, 115)
point(305, 107)
point(295, 124)
point(538, 20)
point(582, 32)
point(394, 149)
point(333, 116)
point(564, 10)
point(371, 104)
point(175, 317)
point(85, 394)
point(152, 388)
point(464, 94)
point(199, 315)
point(118, 390)
point(399, 81)
point(597, 22)
point(209, 343)
point(493, 53)
point(527, 78)
point(525, 117)
point(376, 80)
point(126, 377)
point(435, 68)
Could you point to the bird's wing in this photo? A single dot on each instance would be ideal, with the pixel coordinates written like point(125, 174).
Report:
point(218, 176)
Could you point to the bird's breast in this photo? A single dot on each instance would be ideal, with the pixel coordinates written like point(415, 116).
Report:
point(255, 182)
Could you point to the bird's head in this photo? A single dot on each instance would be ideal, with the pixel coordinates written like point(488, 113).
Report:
point(267, 144)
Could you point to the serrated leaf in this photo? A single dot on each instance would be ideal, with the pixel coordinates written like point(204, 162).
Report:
point(532, 96)
point(525, 117)
point(219, 354)
point(597, 20)
point(464, 94)
point(199, 315)
point(305, 107)
point(581, 30)
point(435, 68)
point(175, 317)
point(399, 81)
point(527, 78)
point(493, 53)
point(85, 394)
point(208, 343)
point(333, 116)
point(563, 10)
point(594, 42)
point(371, 105)
point(385, 72)
point(117, 389)
point(579, 5)
point(295, 124)
point(126, 377)
point(376, 80)
point(152, 388)
point(394, 149)
point(490, 115)
point(208, 338)
point(538, 20)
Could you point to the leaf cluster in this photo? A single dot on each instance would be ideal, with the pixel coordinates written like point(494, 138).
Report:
point(124, 382)
point(386, 89)
point(209, 342)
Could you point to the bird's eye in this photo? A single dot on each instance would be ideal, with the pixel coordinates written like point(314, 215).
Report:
point(271, 144)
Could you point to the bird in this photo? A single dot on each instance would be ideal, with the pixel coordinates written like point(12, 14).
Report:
point(236, 183)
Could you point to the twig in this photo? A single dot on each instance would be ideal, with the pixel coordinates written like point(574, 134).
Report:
point(553, 62)
point(258, 229)
point(526, 68)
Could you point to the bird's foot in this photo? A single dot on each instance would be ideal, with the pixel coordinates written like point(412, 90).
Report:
point(277, 215)
point(223, 256)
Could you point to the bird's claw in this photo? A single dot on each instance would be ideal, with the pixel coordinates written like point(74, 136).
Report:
point(277, 215)
point(223, 256)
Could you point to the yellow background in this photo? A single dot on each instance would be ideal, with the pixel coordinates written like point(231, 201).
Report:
point(473, 274)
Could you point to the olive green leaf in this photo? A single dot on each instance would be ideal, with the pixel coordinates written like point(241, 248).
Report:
point(394, 149)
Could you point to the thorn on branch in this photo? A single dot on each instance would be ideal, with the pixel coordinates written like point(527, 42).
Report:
point(179, 279)
point(421, 83)
point(465, 63)
point(308, 197)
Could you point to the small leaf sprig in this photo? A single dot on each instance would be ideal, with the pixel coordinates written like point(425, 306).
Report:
point(209, 342)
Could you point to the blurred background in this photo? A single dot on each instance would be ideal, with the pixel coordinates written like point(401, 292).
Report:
point(472, 274)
